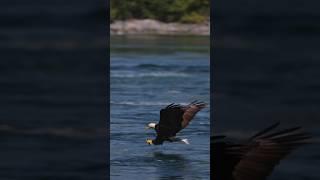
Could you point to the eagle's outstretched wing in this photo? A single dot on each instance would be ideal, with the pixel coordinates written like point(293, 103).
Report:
point(190, 111)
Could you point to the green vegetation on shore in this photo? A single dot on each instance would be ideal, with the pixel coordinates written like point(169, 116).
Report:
point(184, 11)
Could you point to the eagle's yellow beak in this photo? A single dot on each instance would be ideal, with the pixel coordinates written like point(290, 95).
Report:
point(149, 141)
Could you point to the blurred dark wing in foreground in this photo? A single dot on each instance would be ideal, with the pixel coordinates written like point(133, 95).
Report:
point(264, 151)
point(255, 159)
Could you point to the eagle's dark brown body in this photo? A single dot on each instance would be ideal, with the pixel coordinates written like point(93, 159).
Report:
point(173, 119)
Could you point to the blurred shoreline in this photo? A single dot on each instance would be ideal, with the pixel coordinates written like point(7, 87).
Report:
point(154, 27)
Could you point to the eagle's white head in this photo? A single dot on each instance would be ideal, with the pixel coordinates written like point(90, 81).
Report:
point(151, 126)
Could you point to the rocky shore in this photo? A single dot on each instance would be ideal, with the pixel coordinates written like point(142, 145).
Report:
point(149, 26)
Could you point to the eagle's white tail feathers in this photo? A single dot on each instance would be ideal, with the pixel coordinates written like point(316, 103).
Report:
point(175, 139)
point(185, 141)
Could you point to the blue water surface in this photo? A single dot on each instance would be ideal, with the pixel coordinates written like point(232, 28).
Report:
point(148, 73)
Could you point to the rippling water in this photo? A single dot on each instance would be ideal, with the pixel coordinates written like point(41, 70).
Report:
point(148, 73)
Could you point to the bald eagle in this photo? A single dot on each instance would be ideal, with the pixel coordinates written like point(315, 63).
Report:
point(256, 158)
point(173, 119)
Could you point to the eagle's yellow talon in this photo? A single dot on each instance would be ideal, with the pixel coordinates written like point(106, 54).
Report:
point(149, 141)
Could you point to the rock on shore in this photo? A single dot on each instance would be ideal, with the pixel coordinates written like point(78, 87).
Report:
point(149, 26)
